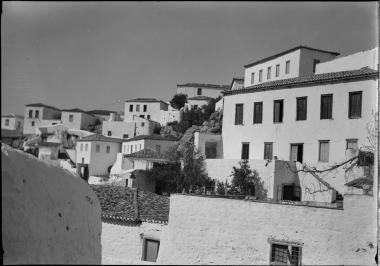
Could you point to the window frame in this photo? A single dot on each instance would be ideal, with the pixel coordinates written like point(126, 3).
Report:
point(269, 70)
point(261, 112)
point(145, 108)
point(282, 111)
point(332, 105)
point(350, 110)
point(33, 123)
point(260, 75)
point(37, 114)
point(125, 135)
point(271, 151)
point(30, 114)
point(7, 121)
point(253, 78)
point(287, 66)
point(352, 140)
point(199, 91)
point(144, 252)
point(239, 121)
point(297, 108)
point(108, 149)
point(288, 244)
point(320, 142)
point(97, 148)
point(277, 70)
point(242, 150)
point(131, 108)
point(71, 117)
point(109, 133)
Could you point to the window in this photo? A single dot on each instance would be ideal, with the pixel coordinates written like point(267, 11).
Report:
point(82, 159)
point(108, 149)
point(268, 150)
point(54, 123)
point(195, 106)
point(137, 108)
point(7, 122)
point(278, 111)
point(109, 133)
point(352, 144)
point(287, 67)
point(71, 118)
point(291, 192)
point(131, 148)
point(277, 70)
point(285, 254)
point(252, 77)
point(125, 136)
point(355, 104)
point(81, 147)
point(131, 108)
point(245, 151)
point(158, 148)
point(150, 249)
point(30, 113)
point(326, 106)
point(37, 114)
point(85, 147)
point(257, 112)
point(324, 146)
point(140, 147)
point(210, 149)
point(268, 73)
point(296, 152)
point(199, 91)
point(32, 123)
point(301, 108)
point(142, 116)
point(126, 182)
point(148, 116)
point(142, 124)
point(315, 62)
point(239, 114)
point(145, 107)
point(18, 124)
point(260, 75)
point(97, 148)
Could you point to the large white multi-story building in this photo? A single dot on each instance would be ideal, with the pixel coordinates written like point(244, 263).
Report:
point(77, 118)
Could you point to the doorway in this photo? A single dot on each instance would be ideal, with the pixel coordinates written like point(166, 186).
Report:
point(296, 152)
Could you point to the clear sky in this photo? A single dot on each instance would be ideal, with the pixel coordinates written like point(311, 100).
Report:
point(95, 55)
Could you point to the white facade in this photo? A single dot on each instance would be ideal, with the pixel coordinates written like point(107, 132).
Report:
point(209, 90)
point(36, 116)
point(126, 130)
point(77, 120)
point(300, 63)
point(219, 105)
point(209, 145)
point(149, 109)
point(195, 103)
point(12, 122)
point(171, 115)
point(160, 146)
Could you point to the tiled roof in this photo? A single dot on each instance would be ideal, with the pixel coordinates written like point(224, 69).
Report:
point(12, 115)
point(146, 100)
point(101, 112)
point(119, 204)
point(210, 86)
point(42, 105)
point(77, 110)
point(289, 51)
point(200, 98)
point(359, 182)
point(147, 154)
point(50, 144)
point(152, 137)
point(363, 73)
point(10, 133)
point(99, 137)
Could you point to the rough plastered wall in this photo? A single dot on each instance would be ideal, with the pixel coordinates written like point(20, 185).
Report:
point(122, 244)
point(204, 230)
point(49, 215)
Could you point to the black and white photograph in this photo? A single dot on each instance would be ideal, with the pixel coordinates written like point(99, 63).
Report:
point(190, 133)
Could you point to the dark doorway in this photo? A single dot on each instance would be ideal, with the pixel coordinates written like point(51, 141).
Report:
point(82, 170)
point(296, 152)
point(291, 192)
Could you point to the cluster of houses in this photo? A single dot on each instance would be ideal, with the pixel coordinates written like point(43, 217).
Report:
point(300, 118)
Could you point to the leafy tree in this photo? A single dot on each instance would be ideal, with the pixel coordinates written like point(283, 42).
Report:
point(178, 101)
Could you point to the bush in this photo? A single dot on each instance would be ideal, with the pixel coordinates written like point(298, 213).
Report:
point(178, 101)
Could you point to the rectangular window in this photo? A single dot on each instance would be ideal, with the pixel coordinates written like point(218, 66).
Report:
point(71, 118)
point(148, 116)
point(150, 250)
point(145, 107)
point(352, 144)
point(326, 106)
point(137, 108)
point(142, 124)
point(324, 147)
point(268, 73)
point(287, 67)
point(315, 62)
point(158, 149)
point(108, 149)
point(239, 114)
point(131, 108)
point(301, 108)
point(245, 151)
point(285, 255)
point(253, 78)
point(268, 150)
point(140, 147)
point(131, 148)
point(296, 152)
point(7, 122)
point(291, 192)
point(142, 116)
point(81, 147)
point(37, 114)
point(260, 75)
point(277, 70)
point(30, 113)
point(32, 123)
point(355, 104)
point(97, 148)
point(211, 149)
point(199, 91)
point(257, 112)
point(109, 133)
point(125, 136)
point(85, 147)
point(278, 111)
point(195, 107)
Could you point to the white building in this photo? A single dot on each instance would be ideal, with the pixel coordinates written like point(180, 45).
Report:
point(102, 114)
point(96, 154)
point(155, 142)
point(197, 102)
point(77, 118)
point(12, 122)
point(148, 108)
point(38, 114)
point(201, 89)
point(296, 62)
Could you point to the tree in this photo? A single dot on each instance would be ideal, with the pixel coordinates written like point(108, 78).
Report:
point(248, 181)
point(178, 101)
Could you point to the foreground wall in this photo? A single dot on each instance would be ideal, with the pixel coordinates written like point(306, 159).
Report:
point(49, 216)
point(206, 230)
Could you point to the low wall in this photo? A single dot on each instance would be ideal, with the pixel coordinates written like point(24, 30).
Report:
point(205, 230)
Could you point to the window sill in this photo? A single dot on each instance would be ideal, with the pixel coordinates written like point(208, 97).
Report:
point(327, 118)
point(355, 117)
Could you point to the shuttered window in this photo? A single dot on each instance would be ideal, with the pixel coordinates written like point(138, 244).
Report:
point(239, 114)
point(268, 150)
point(278, 110)
point(258, 112)
point(326, 106)
point(355, 104)
point(301, 108)
point(245, 151)
point(324, 147)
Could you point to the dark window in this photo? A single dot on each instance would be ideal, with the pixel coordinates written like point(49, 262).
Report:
point(210, 149)
point(126, 182)
point(30, 113)
point(32, 123)
point(277, 70)
point(291, 192)
point(239, 114)
point(7, 122)
point(355, 105)
point(82, 159)
point(260, 75)
point(131, 108)
point(326, 106)
point(268, 72)
point(125, 136)
point(315, 62)
point(142, 124)
point(137, 108)
point(199, 91)
point(287, 67)
point(324, 147)
point(150, 250)
point(97, 148)
point(71, 118)
point(109, 133)
point(301, 108)
point(268, 150)
point(145, 107)
point(284, 254)
point(37, 114)
point(148, 116)
point(245, 151)
point(296, 152)
point(195, 107)
point(278, 111)
point(258, 112)
point(108, 149)
point(142, 116)
point(18, 124)
point(252, 77)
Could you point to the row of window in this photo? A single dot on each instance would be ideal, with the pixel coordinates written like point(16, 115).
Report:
point(354, 108)
point(269, 72)
point(7, 123)
point(145, 108)
point(97, 147)
point(36, 114)
point(131, 148)
point(296, 150)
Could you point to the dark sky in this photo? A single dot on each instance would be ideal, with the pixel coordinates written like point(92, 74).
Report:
point(95, 55)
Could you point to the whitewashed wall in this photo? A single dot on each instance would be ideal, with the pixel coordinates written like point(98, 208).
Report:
point(13, 123)
point(193, 91)
point(200, 140)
